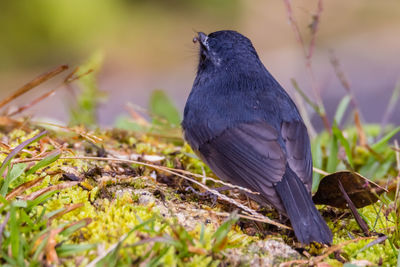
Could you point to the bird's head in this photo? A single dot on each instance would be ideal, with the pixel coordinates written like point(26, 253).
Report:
point(224, 48)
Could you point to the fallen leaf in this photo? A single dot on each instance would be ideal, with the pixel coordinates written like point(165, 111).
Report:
point(361, 191)
point(23, 187)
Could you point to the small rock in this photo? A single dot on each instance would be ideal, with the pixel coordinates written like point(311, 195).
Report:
point(362, 263)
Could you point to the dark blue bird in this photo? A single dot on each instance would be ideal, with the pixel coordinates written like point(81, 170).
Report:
point(247, 129)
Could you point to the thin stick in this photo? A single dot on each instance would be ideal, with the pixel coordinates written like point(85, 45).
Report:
point(314, 29)
point(295, 26)
point(221, 196)
point(32, 84)
point(69, 79)
point(344, 81)
point(34, 102)
point(319, 171)
point(249, 217)
point(360, 221)
point(390, 108)
point(308, 53)
point(396, 197)
point(213, 180)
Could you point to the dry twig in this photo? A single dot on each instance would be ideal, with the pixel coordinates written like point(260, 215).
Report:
point(253, 213)
point(308, 53)
point(32, 84)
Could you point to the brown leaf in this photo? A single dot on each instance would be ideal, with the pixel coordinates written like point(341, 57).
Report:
point(50, 249)
point(361, 191)
point(23, 187)
point(50, 252)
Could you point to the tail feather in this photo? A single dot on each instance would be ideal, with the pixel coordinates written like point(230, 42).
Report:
point(307, 222)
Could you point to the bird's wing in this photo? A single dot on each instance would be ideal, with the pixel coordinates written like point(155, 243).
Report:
point(248, 155)
point(298, 151)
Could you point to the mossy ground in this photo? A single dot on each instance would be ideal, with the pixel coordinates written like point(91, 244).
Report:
point(129, 214)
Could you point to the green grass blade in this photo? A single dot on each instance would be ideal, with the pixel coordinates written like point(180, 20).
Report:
point(156, 261)
point(305, 97)
point(398, 258)
point(161, 106)
point(44, 162)
point(384, 140)
point(317, 157)
point(40, 248)
point(333, 155)
point(21, 146)
point(8, 259)
point(110, 258)
point(14, 233)
point(40, 199)
point(341, 109)
point(16, 171)
point(72, 249)
point(223, 231)
point(74, 227)
point(339, 135)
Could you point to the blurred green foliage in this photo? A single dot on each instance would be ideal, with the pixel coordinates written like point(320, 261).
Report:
point(163, 110)
point(40, 32)
point(84, 111)
point(36, 31)
point(165, 117)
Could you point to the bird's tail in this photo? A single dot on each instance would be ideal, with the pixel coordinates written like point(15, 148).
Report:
point(307, 222)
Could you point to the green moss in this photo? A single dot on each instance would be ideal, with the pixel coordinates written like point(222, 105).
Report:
point(176, 235)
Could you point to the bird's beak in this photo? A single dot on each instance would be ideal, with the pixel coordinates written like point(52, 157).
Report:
point(202, 39)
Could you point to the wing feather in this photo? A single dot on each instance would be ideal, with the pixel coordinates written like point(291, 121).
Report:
point(248, 155)
point(298, 151)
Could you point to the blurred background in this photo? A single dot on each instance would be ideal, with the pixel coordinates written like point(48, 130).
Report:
point(147, 45)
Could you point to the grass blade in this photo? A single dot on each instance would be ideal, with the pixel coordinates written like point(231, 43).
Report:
point(21, 146)
point(341, 109)
point(111, 254)
point(40, 199)
point(44, 162)
point(75, 226)
point(317, 162)
point(384, 140)
point(16, 171)
point(73, 249)
point(14, 232)
point(305, 97)
point(390, 107)
point(333, 155)
point(161, 106)
point(398, 258)
point(343, 141)
point(220, 236)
